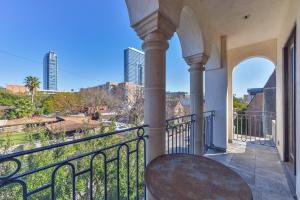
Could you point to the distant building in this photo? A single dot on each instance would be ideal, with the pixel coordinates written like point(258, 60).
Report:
point(256, 104)
point(50, 71)
point(186, 103)
point(263, 106)
point(16, 89)
point(54, 91)
point(176, 95)
point(247, 98)
point(174, 108)
point(134, 66)
point(127, 91)
point(263, 99)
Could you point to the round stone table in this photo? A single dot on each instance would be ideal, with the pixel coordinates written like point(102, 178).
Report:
point(190, 177)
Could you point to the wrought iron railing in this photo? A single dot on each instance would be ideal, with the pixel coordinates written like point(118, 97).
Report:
point(180, 134)
point(99, 166)
point(208, 122)
point(254, 127)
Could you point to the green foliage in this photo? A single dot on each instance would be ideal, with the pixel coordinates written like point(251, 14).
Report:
point(7, 99)
point(63, 181)
point(11, 114)
point(238, 104)
point(22, 108)
point(32, 83)
point(62, 102)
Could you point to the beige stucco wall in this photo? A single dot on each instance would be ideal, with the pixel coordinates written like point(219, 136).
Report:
point(298, 99)
point(292, 18)
point(216, 94)
point(266, 49)
point(286, 29)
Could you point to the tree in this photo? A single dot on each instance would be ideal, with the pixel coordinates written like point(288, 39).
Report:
point(32, 83)
point(238, 104)
point(62, 102)
point(22, 108)
point(99, 97)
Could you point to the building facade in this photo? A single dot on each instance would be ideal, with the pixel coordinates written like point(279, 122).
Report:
point(50, 71)
point(127, 91)
point(134, 66)
point(16, 89)
point(174, 108)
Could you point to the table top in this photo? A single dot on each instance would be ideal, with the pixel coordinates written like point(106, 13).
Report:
point(191, 177)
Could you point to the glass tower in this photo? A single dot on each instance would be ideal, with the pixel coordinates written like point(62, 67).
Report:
point(134, 66)
point(50, 71)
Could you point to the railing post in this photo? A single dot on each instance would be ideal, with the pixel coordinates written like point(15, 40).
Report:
point(196, 63)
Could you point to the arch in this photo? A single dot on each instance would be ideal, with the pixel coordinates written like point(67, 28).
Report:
point(266, 49)
point(252, 57)
point(189, 33)
point(244, 55)
point(138, 11)
point(193, 31)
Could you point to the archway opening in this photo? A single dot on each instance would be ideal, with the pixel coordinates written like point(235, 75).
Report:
point(177, 81)
point(254, 100)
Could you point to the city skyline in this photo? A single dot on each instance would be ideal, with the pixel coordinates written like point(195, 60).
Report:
point(89, 55)
point(134, 66)
point(50, 71)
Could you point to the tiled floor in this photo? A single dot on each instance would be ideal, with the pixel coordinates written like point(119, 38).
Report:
point(259, 166)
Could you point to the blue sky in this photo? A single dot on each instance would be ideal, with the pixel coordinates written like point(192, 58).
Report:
point(88, 36)
point(251, 73)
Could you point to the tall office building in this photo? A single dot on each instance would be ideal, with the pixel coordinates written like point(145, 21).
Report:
point(134, 66)
point(50, 71)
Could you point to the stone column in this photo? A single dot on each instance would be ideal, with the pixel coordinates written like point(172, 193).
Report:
point(196, 70)
point(155, 30)
point(155, 46)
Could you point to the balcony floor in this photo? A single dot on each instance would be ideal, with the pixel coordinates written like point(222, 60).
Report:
point(260, 167)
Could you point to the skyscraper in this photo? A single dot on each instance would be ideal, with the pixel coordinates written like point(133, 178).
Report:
point(134, 66)
point(50, 71)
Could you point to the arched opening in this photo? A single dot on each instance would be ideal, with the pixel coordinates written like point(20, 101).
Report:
point(254, 100)
point(186, 41)
point(177, 81)
point(189, 33)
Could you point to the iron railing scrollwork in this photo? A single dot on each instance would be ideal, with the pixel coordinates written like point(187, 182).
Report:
point(100, 166)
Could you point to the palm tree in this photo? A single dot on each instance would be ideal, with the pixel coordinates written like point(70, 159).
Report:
point(32, 83)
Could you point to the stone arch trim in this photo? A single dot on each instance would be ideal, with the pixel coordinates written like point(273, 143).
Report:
point(266, 49)
point(169, 16)
point(189, 33)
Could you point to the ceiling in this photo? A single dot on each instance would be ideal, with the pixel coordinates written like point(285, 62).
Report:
point(227, 17)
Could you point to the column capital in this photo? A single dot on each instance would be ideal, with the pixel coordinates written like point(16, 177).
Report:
point(200, 59)
point(155, 40)
point(155, 22)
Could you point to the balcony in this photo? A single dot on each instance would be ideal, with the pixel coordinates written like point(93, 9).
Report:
point(111, 165)
point(259, 166)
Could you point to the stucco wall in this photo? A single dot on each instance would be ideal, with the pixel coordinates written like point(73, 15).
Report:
point(298, 99)
point(216, 97)
point(292, 18)
point(286, 29)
